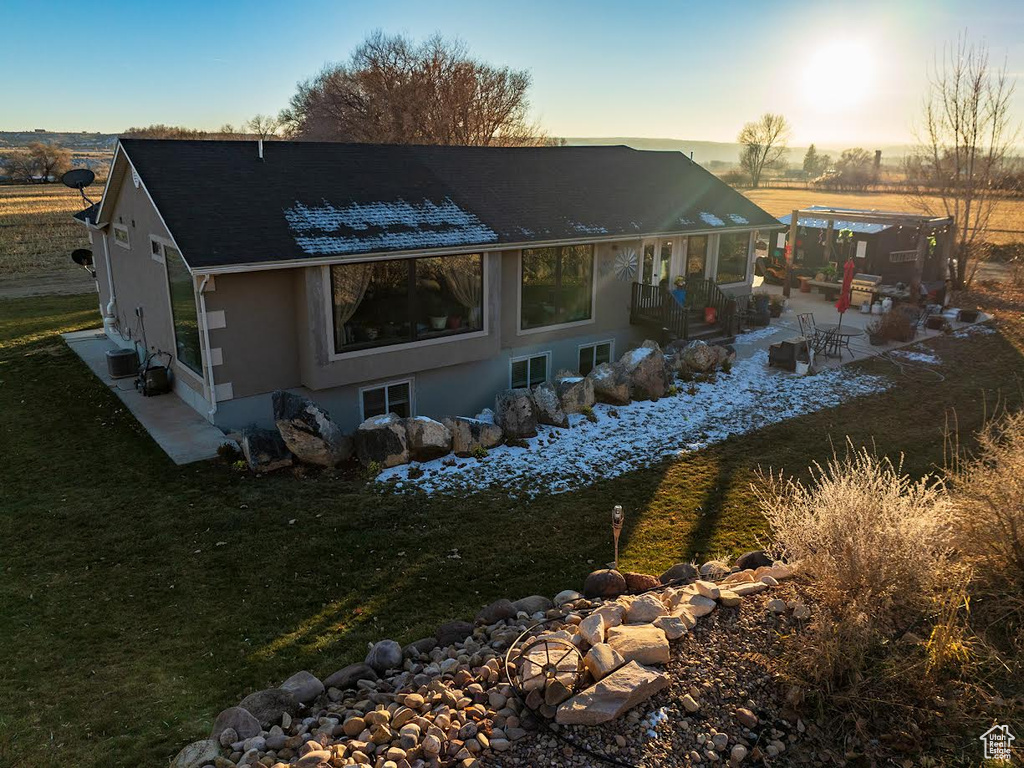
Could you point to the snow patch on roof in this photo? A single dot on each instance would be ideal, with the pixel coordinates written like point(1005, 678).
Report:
point(587, 229)
point(711, 220)
point(384, 226)
point(735, 218)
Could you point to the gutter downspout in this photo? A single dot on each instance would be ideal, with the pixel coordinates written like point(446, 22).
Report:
point(108, 314)
point(206, 342)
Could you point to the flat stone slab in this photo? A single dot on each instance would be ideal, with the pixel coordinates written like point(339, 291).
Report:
point(616, 694)
point(643, 643)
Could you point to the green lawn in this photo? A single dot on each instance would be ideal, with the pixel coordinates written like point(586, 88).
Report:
point(139, 598)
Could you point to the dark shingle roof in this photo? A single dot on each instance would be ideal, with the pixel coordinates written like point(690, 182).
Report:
point(225, 206)
point(88, 216)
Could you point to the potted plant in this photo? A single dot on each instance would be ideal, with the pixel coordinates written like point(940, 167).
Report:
point(876, 332)
point(775, 305)
point(436, 313)
point(829, 272)
point(454, 322)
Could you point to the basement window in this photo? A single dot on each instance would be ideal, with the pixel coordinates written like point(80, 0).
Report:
point(592, 355)
point(530, 371)
point(394, 397)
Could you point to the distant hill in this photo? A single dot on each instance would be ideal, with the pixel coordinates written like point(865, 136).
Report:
point(79, 142)
point(717, 152)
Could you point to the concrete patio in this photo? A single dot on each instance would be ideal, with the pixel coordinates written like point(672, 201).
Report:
point(183, 434)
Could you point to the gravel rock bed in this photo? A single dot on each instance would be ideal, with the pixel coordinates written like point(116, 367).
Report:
point(725, 667)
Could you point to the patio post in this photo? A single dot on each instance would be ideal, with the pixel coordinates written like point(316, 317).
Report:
point(793, 228)
point(922, 245)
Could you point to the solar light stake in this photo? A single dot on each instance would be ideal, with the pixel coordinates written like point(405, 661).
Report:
point(617, 517)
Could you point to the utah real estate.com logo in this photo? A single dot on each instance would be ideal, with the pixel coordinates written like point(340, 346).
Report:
point(997, 741)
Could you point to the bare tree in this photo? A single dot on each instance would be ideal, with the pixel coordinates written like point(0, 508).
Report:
point(764, 142)
point(40, 162)
point(264, 127)
point(161, 131)
point(393, 91)
point(965, 138)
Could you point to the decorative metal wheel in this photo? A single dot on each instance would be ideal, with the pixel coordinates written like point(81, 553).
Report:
point(625, 265)
point(544, 669)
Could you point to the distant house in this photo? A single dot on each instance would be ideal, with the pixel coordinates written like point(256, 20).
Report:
point(402, 279)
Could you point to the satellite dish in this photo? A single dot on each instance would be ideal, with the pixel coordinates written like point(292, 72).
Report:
point(78, 178)
point(82, 257)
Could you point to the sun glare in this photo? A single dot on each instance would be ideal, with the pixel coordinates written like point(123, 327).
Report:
point(839, 75)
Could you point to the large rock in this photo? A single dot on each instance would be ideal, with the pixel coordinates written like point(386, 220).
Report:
point(639, 582)
point(385, 655)
point(601, 660)
point(575, 393)
point(240, 720)
point(699, 356)
point(453, 632)
point(308, 431)
point(264, 450)
point(755, 559)
point(604, 583)
point(304, 686)
point(516, 413)
point(724, 353)
point(610, 383)
point(549, 409)
point(347, 677)
point(645, 609)
point(613, 696)
point(427, 439)
point(197, 754)
point(533, 604)
point(680, 573)
point(382, 440)
point(592, 629)
point(497, 611)
point(469, 435)
point(648, 375)
point(644, 643)
point(268, 706)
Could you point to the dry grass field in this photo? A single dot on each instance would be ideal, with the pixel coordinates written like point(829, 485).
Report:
point(37, 233)
point(1006, 226)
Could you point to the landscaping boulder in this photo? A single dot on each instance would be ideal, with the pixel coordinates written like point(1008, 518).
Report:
point(347, 677)
point(497, 611)
point(592, 628)
point(643, 643)
point(264, 450)
point(680, 573)
point(604, 583)
point(197, 754)
point(382, 440)
point(699, 356)
point(237, 719)
point(575, 393)
point(645, 609)
point(566, 596)
point(516, 413)
point(549, 409)
point(639, 582)
point(308, 431)
point(469, 435)
point(453, 632)
point(533, 604)
point(427, 439)
point(601, 660)
point(610, 383)
point(385, 655)
point(755, 559)
point(613, 696)
point(645, 367)
point(724, 353)
point(268, 706)
point(303, 686)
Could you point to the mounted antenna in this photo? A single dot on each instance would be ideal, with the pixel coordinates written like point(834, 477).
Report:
point(79, 178)
point(259, 145)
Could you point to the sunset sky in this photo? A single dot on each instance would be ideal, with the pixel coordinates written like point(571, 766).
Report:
point(842, 73)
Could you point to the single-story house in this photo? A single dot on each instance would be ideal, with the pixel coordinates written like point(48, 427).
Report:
point(405, 279)
point(887, 249)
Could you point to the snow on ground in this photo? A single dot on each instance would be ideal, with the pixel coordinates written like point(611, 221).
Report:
point(916, 356)
point(625, 438)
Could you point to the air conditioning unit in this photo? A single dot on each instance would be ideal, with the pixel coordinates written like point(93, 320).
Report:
point(122, 363)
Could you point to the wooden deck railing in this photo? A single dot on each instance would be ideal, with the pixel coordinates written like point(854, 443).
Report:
point(652, 305)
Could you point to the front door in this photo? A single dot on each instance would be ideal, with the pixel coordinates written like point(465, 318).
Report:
point(657, 262)
point(696, 255)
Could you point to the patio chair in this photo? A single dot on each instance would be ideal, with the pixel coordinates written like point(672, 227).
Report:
point(818, 339)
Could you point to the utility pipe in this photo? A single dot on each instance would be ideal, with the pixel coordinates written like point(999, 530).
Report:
point(206, 342)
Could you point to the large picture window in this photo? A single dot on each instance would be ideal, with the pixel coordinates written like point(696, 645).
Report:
point(732, 257)
point(557, 286)
point(393, 302)
point(183, 311)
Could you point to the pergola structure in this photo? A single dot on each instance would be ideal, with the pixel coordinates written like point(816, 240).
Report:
point(926, 225)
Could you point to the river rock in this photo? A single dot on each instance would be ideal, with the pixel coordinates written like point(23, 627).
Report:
point(385, 655)
point(382, 440)
point(308, 431)
point(610, 383)
point(268, 706)
point(427, 439)
point(347, 677)
point(516, 413)
point(303, 686)
point(497, 611)
point(453, 632)
point(648, 375)
point(197, 754)
point(236, 719)
point(643, 643)
point(533, 604)
point(469, 435)
point(264, 450)
point(617, 693)
point(604, 583)
point(575, 393)
point(549, 409)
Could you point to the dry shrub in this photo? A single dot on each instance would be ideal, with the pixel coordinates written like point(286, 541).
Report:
point(989, 500)
point(863, 529)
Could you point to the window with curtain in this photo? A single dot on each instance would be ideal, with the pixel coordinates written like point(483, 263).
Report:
point(183, 311)
point(394, 302)
point(557, 286)
point(732, 257)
